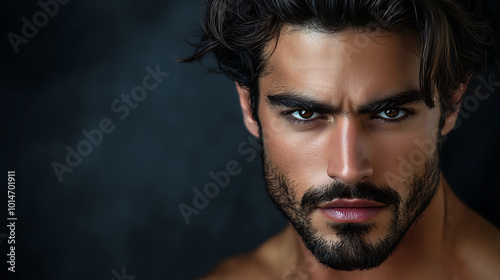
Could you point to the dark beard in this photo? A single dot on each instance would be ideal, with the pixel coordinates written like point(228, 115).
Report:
point(353, 252)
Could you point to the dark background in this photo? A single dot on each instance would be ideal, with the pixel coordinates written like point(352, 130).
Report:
point(118, 209)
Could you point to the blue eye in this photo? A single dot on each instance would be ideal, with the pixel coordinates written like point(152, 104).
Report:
point(304, 115)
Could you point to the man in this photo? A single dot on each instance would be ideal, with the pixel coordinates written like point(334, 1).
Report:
point(350, 100)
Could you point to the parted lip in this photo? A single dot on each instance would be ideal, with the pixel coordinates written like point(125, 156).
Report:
point(351, 203)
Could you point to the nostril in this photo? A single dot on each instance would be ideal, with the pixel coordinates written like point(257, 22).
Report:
point(350, 171)
point(350, 153)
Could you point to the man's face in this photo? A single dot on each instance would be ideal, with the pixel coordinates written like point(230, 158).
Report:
point(342, 122)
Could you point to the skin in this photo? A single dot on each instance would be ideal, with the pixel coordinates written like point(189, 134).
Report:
point(449, 241)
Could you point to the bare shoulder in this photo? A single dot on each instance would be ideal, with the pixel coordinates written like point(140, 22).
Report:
point(262, 263)
point(479, 248)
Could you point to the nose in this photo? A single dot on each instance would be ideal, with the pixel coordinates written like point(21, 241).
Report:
point(349, 159)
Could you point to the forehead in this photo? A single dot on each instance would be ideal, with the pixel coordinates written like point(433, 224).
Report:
point(357, 64)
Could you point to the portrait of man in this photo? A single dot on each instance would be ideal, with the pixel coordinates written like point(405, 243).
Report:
point(350, 102)
point(276, 139)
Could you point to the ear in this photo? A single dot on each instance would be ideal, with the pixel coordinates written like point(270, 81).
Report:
point(451, 118)
point(248, 119)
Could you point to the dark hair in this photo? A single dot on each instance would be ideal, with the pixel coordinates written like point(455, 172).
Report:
point(453, 40)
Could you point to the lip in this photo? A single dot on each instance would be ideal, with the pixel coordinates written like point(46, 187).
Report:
point(352, 210)
point(351, 203)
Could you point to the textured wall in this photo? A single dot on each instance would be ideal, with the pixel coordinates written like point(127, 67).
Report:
point(116, 213)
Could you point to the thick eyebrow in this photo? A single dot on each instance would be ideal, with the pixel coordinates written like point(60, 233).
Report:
point(407, 97)
point(297, 100)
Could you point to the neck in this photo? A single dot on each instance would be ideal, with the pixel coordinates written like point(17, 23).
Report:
point(422, 250)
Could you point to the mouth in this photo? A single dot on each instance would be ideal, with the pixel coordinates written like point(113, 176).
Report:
point(352, 210)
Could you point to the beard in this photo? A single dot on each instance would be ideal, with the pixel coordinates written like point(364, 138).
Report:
point(351, 251)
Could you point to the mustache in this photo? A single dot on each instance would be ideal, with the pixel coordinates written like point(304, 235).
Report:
point(338, 190)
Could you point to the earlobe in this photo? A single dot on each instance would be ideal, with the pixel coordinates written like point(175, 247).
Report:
point(246, 108)
point(450, 121)
point(451, 118)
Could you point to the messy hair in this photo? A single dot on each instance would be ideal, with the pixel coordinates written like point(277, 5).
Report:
point(453, 39)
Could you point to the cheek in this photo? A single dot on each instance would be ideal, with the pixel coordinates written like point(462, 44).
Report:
point(298, 155)
point(398, 157)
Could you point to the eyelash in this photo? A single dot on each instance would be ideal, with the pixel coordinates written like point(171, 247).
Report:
point(288, 116)
point(409, 113)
